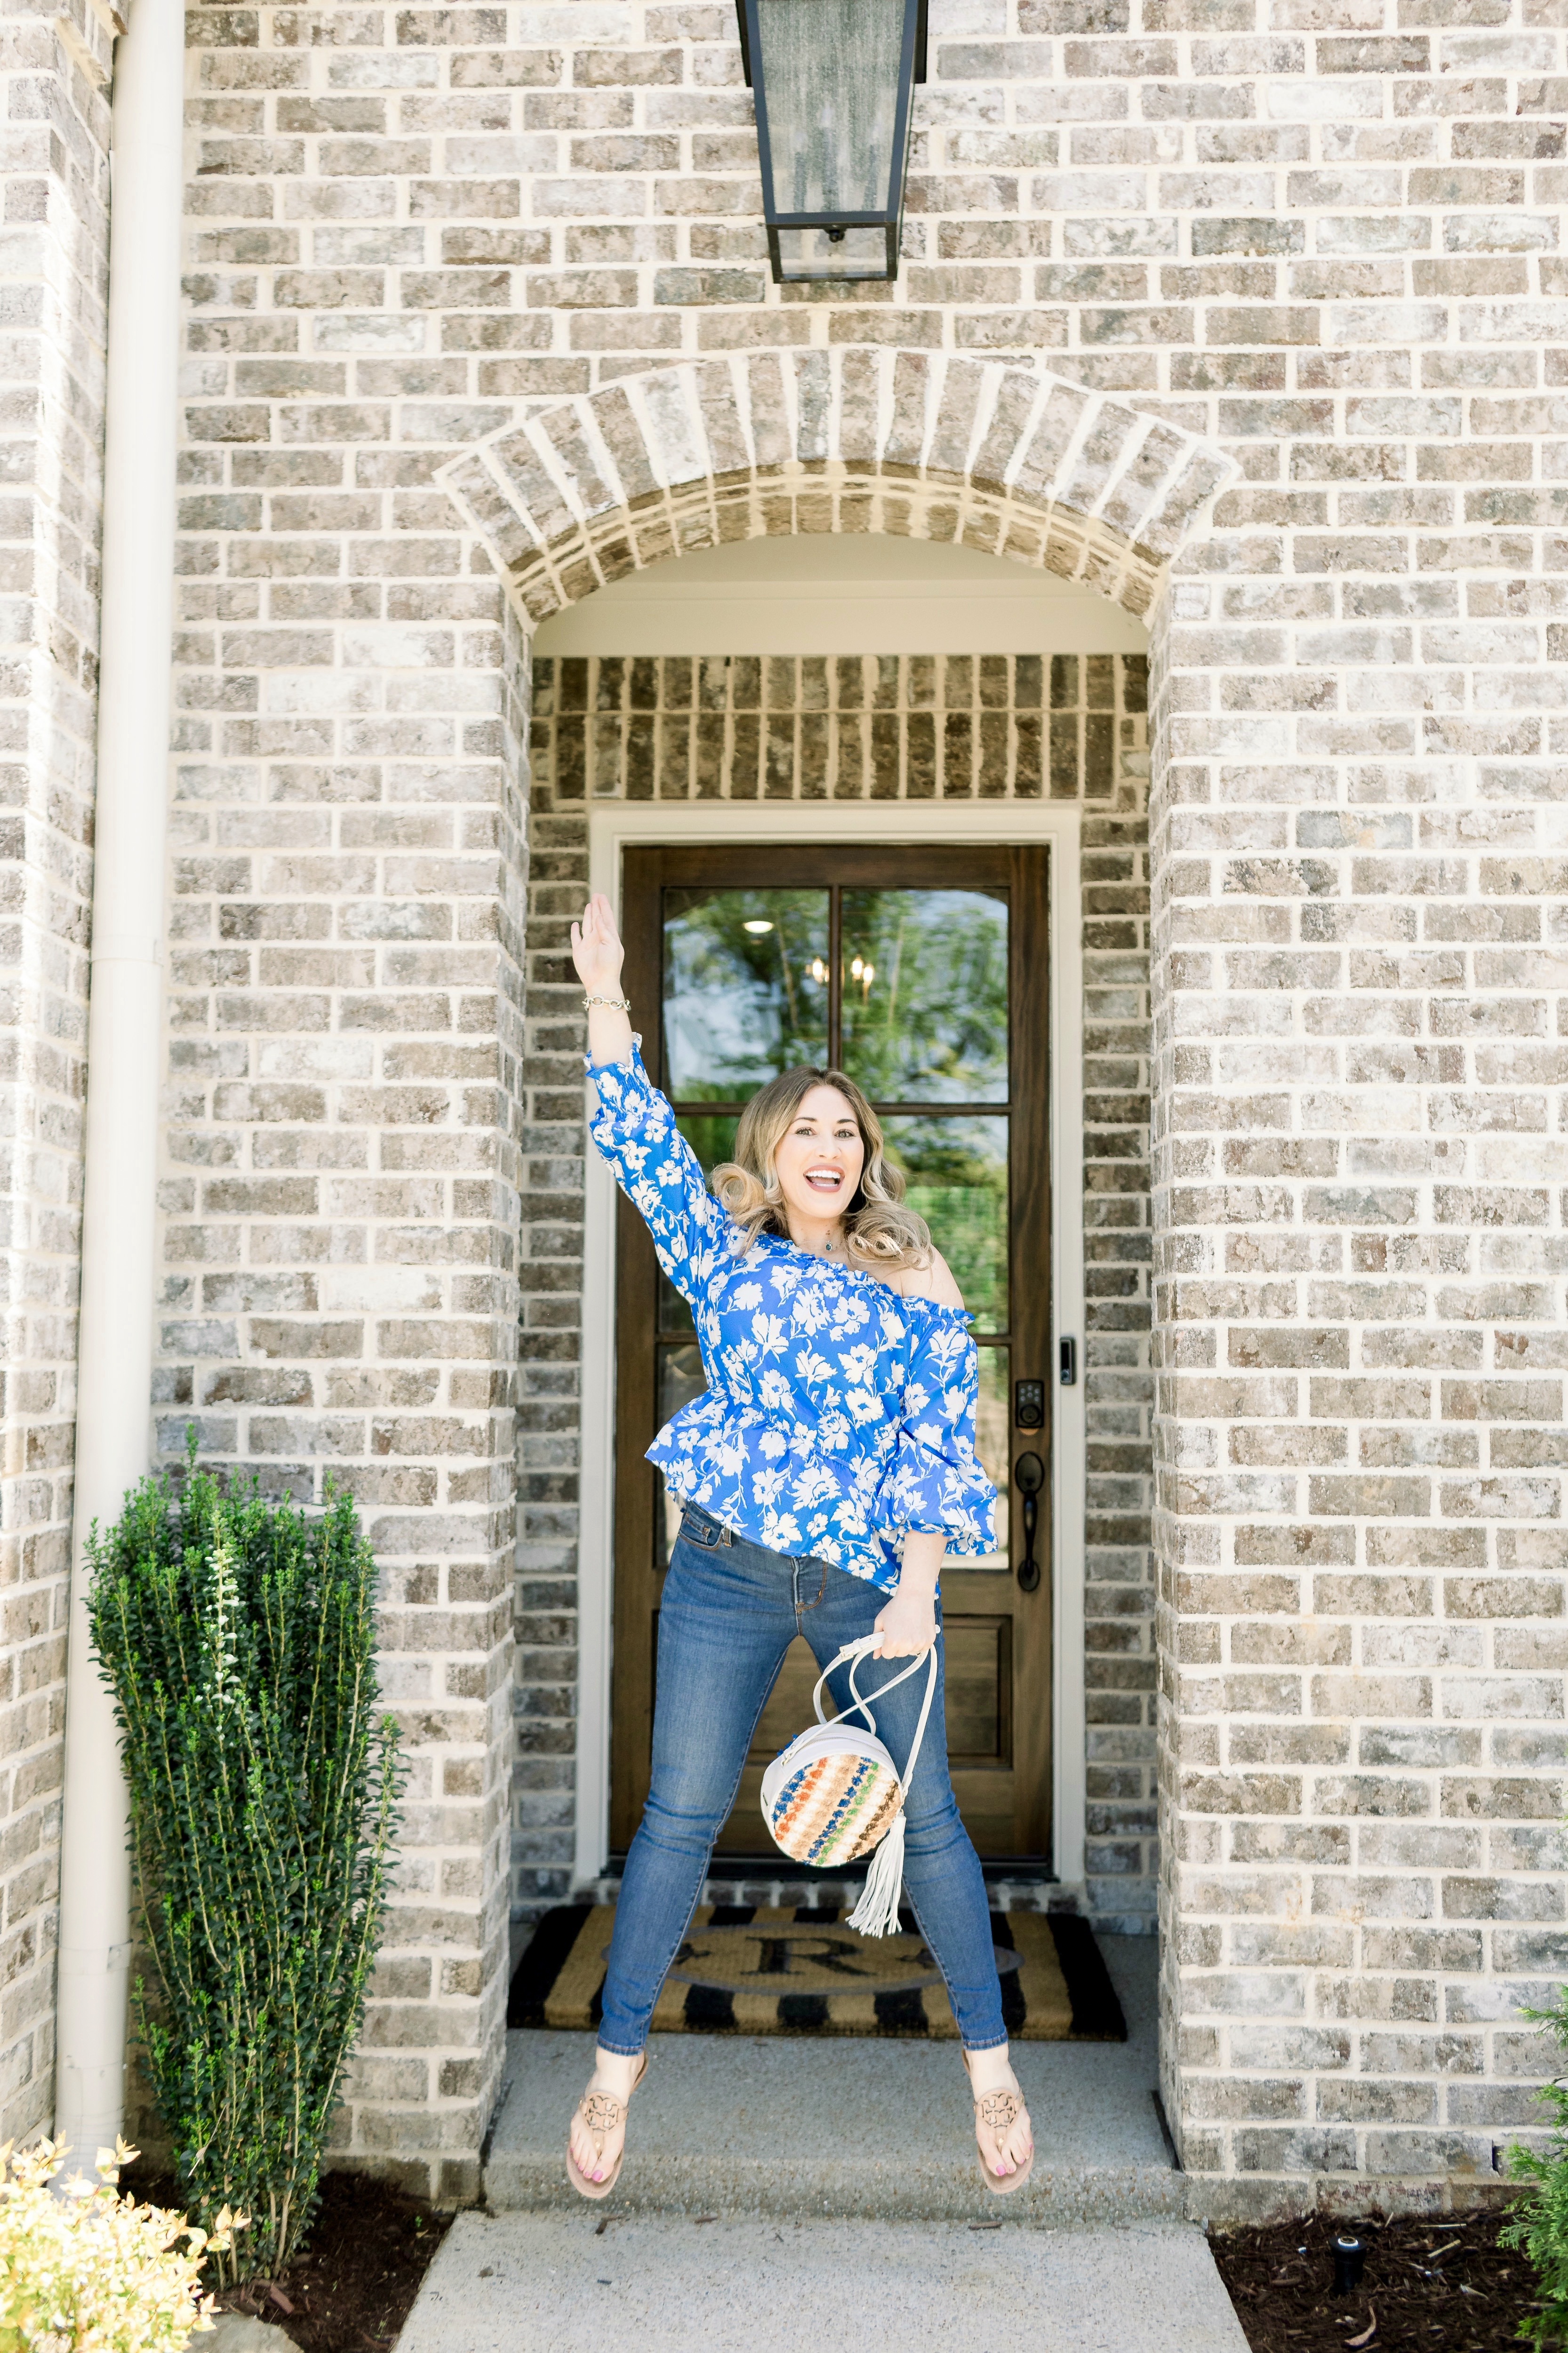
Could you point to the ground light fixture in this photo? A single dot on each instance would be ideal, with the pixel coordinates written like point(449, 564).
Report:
point(1350, 2255)
point(834, 83)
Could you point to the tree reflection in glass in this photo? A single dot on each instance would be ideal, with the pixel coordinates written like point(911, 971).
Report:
point(925, 995)
point(956, 1174)
point(922, 1010)
point(991, 1434)
point(745, 989)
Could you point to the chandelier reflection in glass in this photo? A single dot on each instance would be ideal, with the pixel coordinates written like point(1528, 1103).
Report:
point(834, 83)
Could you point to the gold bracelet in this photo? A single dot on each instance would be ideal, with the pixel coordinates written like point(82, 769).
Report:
point(613, 1004)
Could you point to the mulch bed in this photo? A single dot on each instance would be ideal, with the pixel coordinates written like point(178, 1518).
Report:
point(1427, 2287)
point(353, 2289)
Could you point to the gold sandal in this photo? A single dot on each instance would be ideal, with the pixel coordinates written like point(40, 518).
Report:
point(999, 2111)
point(602, 2112)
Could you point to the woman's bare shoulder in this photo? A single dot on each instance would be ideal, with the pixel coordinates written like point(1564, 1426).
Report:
point(933, 1282)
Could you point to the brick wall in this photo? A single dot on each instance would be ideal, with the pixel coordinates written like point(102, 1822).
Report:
point(896, 732)
point(53, 258)
point(1325, 236)
point(340, 1224)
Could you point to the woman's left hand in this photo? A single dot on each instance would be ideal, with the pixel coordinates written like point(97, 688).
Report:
point(907, 1626)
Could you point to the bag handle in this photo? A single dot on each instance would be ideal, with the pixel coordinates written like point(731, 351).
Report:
point(855, 1652)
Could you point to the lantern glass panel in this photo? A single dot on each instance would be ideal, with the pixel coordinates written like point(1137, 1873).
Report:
point(853, 253)
point(828, 73)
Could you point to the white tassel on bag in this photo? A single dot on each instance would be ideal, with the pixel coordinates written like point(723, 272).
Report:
point(876, 1914)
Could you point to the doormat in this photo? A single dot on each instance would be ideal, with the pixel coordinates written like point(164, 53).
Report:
point(745, 1970)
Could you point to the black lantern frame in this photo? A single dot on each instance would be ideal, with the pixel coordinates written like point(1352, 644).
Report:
point(889, 217)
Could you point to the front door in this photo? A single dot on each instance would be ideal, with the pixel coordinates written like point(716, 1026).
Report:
point(922, 974)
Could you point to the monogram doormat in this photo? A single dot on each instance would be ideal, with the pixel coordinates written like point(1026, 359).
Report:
point(743, 1970)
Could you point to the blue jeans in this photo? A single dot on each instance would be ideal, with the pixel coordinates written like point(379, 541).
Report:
point(730, 1611)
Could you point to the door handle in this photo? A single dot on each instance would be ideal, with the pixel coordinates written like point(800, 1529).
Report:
point(1030, 1473)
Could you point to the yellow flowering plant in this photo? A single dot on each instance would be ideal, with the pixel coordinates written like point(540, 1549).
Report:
point(91, 2271)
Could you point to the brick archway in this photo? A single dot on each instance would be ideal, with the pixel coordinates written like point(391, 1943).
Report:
point(912, 444)
point(851, 441)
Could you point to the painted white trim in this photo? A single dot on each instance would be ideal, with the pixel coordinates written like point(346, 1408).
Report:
point(125, 1033)
point(872, 618)
point(620, 826)
point(841, 594)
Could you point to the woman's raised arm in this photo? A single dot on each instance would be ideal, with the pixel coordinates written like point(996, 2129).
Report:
point(598, 953)
point(634, 1125)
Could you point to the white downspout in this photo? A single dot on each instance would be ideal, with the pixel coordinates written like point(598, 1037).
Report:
point(125, 1026)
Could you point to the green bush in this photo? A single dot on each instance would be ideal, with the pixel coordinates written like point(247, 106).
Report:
point(238, 1637)
point(1539, 2221)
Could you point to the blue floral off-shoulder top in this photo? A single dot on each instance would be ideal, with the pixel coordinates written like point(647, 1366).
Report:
point(839, 1417)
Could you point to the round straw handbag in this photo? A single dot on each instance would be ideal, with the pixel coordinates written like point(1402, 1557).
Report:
point(835, 1792)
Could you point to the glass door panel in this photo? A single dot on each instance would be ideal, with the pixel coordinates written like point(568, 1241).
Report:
point(955, 1173)
point(711, 1135)
point(922, 974)
point(990, 1443)
point(745, 989)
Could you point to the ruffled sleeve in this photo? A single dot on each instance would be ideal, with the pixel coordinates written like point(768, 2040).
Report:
point(935, 1484)
point(657, 1169)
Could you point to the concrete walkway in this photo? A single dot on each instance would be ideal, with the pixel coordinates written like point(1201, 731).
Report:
point(516, 2283)
point(798, 2130)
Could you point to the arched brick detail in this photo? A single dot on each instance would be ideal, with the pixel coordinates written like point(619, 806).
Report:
point(917, 444)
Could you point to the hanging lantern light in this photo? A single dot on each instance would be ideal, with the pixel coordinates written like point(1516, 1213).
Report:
point(834, 82)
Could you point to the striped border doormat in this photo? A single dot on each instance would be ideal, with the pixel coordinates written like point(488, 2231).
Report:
point(745, 1970)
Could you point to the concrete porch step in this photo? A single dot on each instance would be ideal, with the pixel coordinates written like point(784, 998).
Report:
point(514, 2282)
point(803, 2128)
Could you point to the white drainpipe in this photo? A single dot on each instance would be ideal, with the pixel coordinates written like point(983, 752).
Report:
point(125, 1026)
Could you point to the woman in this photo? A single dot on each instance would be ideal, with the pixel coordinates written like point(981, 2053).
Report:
point(824, 1475)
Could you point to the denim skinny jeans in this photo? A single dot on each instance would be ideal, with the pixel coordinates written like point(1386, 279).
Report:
point(730, 1611)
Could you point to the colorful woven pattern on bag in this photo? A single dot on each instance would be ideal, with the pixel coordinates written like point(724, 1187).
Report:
point(833, 1809)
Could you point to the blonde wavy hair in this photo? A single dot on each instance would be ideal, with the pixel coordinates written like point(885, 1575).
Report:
point(879, 1230)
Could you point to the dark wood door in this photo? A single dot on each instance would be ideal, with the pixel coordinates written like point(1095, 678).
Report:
point(922, 974)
